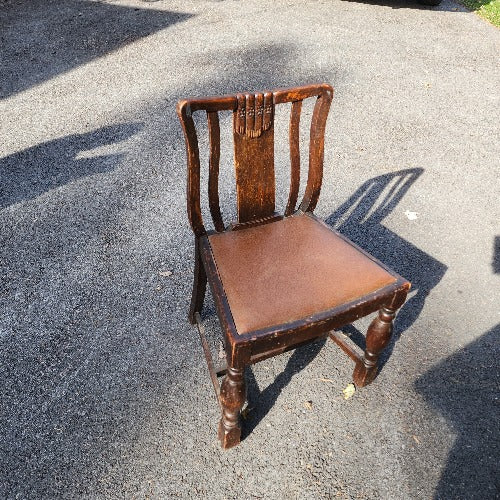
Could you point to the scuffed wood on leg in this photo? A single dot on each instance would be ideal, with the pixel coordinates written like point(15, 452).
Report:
point(377, 337)
point(232, 399)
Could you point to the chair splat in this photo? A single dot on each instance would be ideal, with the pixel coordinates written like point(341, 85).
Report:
point(254, 156)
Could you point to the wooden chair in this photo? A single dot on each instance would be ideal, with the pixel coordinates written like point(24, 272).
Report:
point(278, 281)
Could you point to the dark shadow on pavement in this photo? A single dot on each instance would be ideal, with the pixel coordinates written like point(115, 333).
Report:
point(40, 39)
point(464, 388)
point(409, 4)
point(30, 173)
point(262, 401)
point(496, 255)
point(360, 219)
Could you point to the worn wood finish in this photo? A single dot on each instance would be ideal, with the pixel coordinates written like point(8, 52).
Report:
point(206, 350)
point(232, 398)
point(253, 133)
point(289, 334)
point(255, 222)
point(300, 93)
point(252, 140)
point(378, 336)
point(223, 310)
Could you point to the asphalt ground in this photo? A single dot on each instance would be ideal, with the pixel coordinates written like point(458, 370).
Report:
point(104, 389)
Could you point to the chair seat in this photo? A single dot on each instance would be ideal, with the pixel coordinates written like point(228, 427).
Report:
point(287, 270)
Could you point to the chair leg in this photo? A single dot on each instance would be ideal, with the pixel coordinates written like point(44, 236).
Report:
point(377, 338)
point(232, 399)
point(199, 285)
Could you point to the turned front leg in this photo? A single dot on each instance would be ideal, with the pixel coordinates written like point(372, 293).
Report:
point(232, 399)
point(377, 338)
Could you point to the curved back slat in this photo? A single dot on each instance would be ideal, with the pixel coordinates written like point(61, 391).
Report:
point(294, 136)
point(316, 151)
point(213, 172)
point(193, 171)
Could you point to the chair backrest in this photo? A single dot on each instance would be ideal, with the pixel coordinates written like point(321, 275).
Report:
point(253, 132)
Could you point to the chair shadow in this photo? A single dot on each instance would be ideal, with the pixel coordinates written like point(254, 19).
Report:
point(360, 219)
point(33, 171)
point(464, 389)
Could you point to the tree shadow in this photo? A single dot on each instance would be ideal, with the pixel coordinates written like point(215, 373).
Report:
point(42, 38)
point(412, 4)
point(360, 219)
point(29, 173)
point(464, 389)
point(83, 369)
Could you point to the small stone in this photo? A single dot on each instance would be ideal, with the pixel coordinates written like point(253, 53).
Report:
point(349, 391)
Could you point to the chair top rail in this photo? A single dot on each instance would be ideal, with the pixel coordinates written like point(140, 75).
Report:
point(230, 102)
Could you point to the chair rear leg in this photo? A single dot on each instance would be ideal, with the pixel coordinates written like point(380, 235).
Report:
point(199, 285)
point(232, 399)
point(378, 336)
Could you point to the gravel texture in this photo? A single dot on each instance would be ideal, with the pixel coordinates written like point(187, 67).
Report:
point(104, 389)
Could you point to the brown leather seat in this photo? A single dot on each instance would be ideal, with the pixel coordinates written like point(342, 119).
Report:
point(283, 271)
